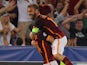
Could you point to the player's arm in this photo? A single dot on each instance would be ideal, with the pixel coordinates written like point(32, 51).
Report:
point(35, 31)
point(50, 38)
point(32, 36)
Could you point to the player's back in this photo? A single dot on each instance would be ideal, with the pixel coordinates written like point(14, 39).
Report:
point(49, 26)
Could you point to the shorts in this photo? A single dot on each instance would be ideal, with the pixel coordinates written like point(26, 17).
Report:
point(52, 63)
point(58, 45)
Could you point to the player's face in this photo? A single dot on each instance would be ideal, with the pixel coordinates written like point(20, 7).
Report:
point(31, 12)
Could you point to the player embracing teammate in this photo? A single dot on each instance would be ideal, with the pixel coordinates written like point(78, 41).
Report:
point(49, 39)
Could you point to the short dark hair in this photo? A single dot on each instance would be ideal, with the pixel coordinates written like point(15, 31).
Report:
point(34, 5)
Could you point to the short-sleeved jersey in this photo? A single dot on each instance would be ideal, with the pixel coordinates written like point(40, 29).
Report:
point(47, 25)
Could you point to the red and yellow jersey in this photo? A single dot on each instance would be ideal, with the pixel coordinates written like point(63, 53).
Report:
point(47, 25)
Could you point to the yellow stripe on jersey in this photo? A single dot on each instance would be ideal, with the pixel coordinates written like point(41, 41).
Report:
point(52, 21)
point(52, 31)
point(37, 46)
point(45, 52)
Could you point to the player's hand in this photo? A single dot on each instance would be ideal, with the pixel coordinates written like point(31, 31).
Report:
point(50, 39)
point(33, 43)
point(32, 35)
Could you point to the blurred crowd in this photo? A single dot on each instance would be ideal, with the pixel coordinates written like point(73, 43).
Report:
point(15, 23)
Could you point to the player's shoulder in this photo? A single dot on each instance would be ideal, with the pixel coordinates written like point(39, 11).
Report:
point(46, 17)
point(43, 16)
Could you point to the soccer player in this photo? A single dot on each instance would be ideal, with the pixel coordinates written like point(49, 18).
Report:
point(48, 28)
point(42, 45)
